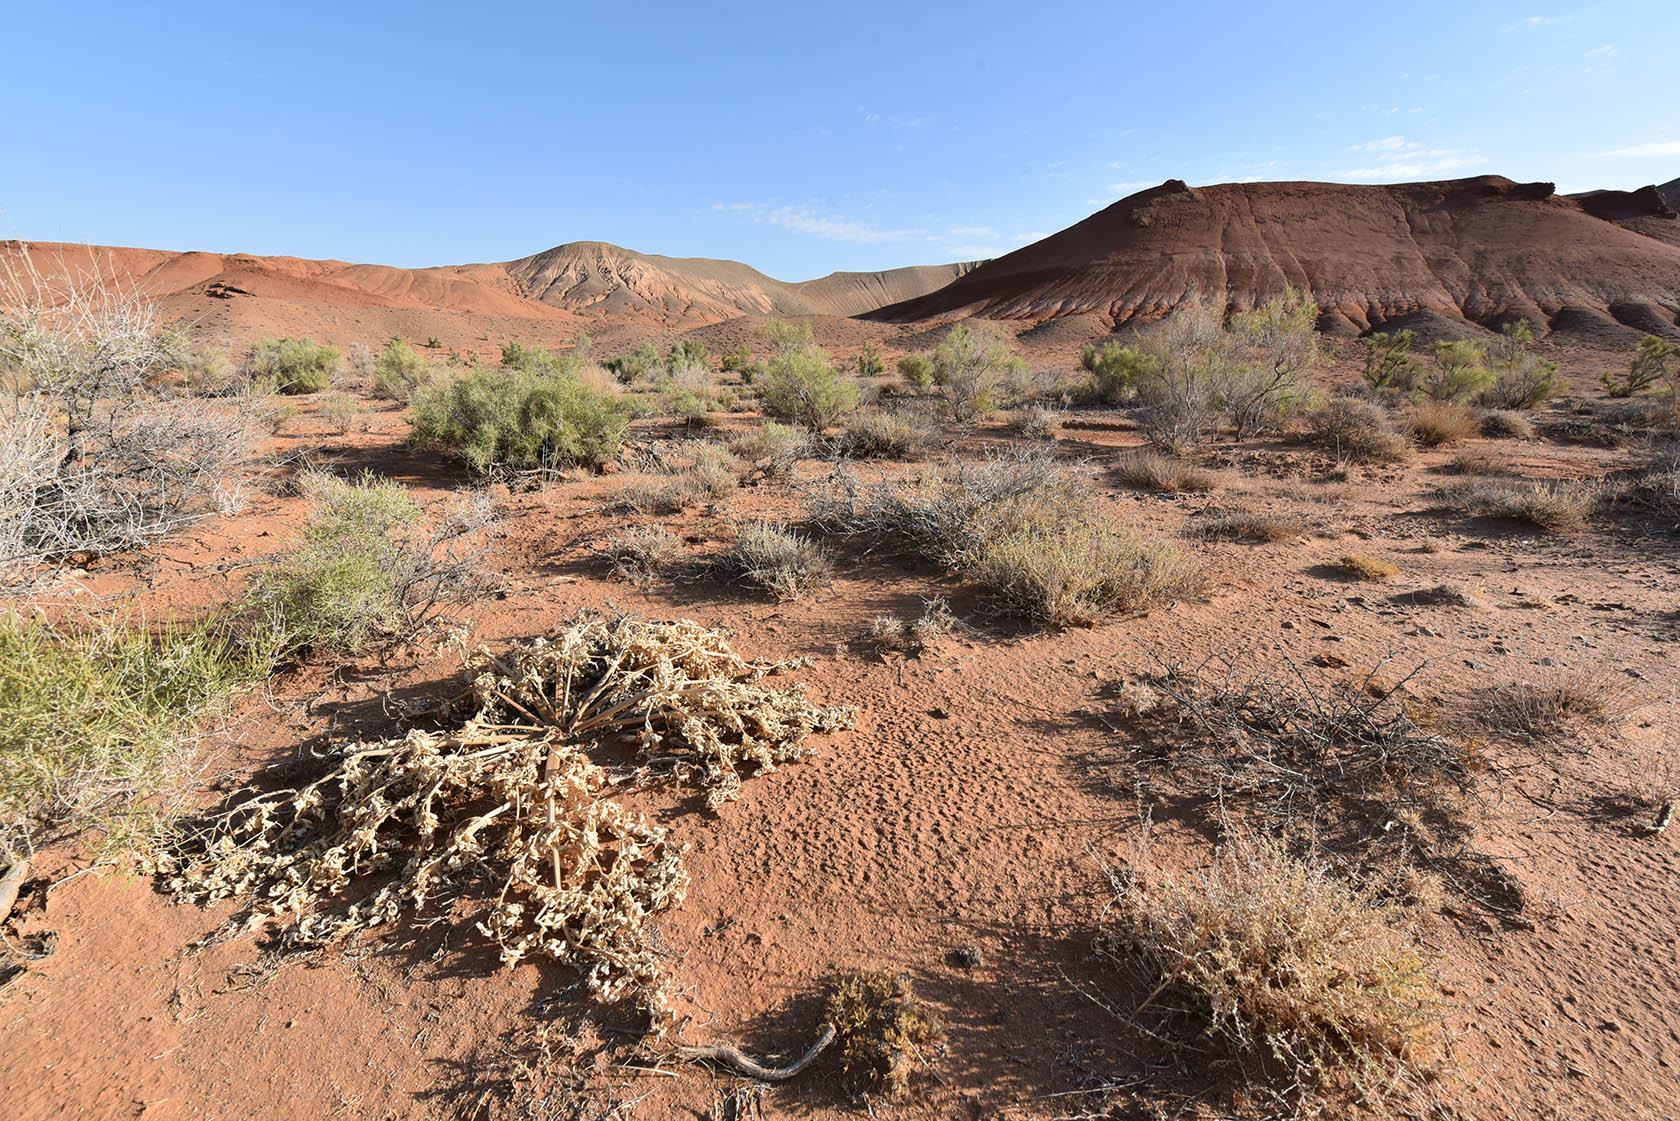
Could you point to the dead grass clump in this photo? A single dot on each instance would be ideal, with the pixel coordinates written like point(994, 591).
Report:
point(1555, 507)
point(1164, 474)
point(1561, 700)
point(913, 636)
point(1291, 963)
point(640, 554)
point(1037, 421)
point(1021, 524)
point(1480, 461)
point(1362, 567)
point(1249, 525)
point(504, 813)
point(881, 1030)
point(1446, 595)
point(713, 471)
point(882, 434)
point(779, 559)
point(1437, 424)
point(1349, 769)
point(642, 494)
point(1357, 431)
point(1074, 575)
point(1507, 424)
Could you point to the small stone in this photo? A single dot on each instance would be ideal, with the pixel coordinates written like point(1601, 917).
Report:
point(968, 957)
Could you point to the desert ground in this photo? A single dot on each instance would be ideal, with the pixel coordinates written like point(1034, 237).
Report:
point(1434, 683)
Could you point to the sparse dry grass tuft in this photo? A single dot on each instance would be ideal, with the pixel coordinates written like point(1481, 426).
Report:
point(1557, 507)
point(1075, 575)
point(1022, 525)
point(1249, 525)
point(1358, 432)
point(1507, 424)
point(1289, 963)
point(1437, 424)
point(641, 553)
point(1164, 474)
point(1480, 461)
point(913, 636)
point(1362, 567)
point(1560, 700)
point(779, 559)
point(1037, 421)
point(882, 434)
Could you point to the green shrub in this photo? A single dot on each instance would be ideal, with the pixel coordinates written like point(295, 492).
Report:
point(93, 715)
point(1655, 362)
point(635, 366)
point(294, 365)
point(366, 569)
point(736, 360)
point(970, 367)
point(688, 352)
point(869, 363)
point(520, 420)
point(785, 337)
point(1388, 360)
point(1278, 342)
point(1116, 371)
point(399, 371)
point(917, 372)
point(774, 450)
point(342, 413)
point(1460, 371)
point(800, 385)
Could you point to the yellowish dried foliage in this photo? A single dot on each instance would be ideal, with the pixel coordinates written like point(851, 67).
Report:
point(580, 877)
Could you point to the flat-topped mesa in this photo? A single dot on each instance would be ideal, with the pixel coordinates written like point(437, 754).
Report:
point(1462, 252)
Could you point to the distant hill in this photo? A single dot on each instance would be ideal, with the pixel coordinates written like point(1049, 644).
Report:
point(1466, 251)
point(595, 277)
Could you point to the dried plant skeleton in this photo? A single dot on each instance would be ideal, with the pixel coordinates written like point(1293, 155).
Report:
point(578, 876)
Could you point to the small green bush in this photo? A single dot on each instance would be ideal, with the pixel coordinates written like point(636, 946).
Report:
point(635, 366)
point(520, 420)
point(869, 363)
point(1460, 371)
point(399, 371)
point(365, 568)
point(1656, 362)
point(970, 367)
point(1116, 370)
point(294, 365)
point(801, 386)
point(342, 413)
point(1388, 360)
point(917, 372)
point(93, 715)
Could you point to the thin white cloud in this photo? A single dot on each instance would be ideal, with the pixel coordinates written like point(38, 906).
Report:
point(1605, 52)
point(973, 232)
point(1132, 186)
point(1655, 148)
point(975, 252)
point(1407, 159)
point(814, 223)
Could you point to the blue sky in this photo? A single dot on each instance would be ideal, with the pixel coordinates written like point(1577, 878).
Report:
point(798, 138)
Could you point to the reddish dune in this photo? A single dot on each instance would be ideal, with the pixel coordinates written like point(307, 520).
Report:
point(1470, 250)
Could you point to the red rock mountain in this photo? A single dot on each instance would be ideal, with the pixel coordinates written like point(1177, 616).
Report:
point(1465, 251)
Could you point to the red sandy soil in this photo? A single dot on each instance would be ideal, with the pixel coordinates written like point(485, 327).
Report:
point(1481, 251)
point(976, 804)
